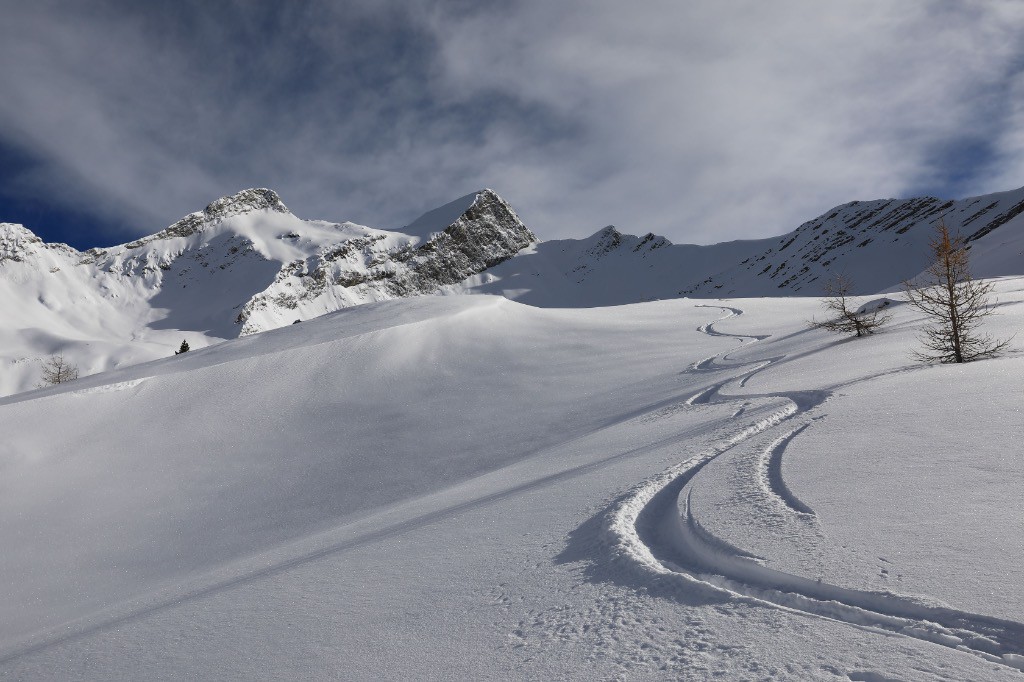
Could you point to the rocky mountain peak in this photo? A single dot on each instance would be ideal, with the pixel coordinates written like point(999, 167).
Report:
point(605, 241)
point(489, 221)
point(12, 231)
point(246, 201)
point(16, 241)
point(458, 240)
point(439, 219)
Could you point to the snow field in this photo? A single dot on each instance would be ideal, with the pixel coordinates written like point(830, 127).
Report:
point(468, 487)
point(738, 496)
point(248, 446)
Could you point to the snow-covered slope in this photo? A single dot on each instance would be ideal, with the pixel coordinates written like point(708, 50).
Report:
point(471, 488)
point(607, 268)
point(243, 265)
point(877, 244)
point(246, 264)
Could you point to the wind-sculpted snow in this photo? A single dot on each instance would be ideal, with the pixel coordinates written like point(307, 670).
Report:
point(656, 532)
point(432, 487)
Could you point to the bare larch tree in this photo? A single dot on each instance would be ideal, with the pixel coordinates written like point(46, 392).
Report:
point(842, 318)
point(955, 302)
point(57, 370)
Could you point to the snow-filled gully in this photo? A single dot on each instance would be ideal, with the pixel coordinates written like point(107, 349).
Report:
point(654, 533)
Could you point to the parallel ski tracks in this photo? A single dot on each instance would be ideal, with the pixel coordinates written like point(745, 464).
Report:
point(654, 530)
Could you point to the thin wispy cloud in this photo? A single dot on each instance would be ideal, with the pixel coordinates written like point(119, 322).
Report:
point(701, 121)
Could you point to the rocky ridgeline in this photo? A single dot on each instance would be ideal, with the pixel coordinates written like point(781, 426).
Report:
point(369, 269)
point(609, 240)
point(213, 271)
point(245, 264)
point(488, 233)
point(246, 201)
point(20, 245)
point(243, 202)
point(852, 236)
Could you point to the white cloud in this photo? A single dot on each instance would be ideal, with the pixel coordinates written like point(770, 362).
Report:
point(699, 120)
point(740, 119)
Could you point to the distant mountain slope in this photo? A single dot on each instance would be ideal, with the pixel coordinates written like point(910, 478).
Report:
point(607, 268)
point(878, 244)
point(246, 264)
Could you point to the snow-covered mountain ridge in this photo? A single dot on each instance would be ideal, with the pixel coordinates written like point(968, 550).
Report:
point(242, 265)
point(246, 201)
point(246, 264)
point(241, 234)
point(877, 244)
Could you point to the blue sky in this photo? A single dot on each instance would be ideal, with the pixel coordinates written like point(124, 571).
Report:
point(702, 121)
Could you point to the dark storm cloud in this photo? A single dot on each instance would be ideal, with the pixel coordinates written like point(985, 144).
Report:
point(702, 121)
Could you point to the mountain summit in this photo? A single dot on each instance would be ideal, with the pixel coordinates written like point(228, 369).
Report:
point(876, 244)
point(242, 265)
point(378, 265)
point(246, 264)
point(246, 201)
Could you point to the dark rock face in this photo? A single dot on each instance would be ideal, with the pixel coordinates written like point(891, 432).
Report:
point(608, 240)
point(364, 269)
point(488, 233)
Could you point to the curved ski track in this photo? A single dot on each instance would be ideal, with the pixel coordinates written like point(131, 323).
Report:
point(654, 532)
point(651, 531)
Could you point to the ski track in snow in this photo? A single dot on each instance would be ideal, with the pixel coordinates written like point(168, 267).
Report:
point(710, 330)
point(654, 532)
point(309, 549)
point(771, 462)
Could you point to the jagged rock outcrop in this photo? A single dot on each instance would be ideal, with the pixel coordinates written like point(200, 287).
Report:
point(488, 233)
point(609, 240)
point(373, 268)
